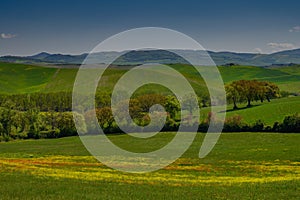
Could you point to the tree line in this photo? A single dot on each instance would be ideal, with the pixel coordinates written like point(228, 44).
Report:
point(35, 124)
point(57, 102)
point(49, 115)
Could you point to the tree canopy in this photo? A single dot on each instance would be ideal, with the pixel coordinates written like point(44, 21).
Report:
point(249, 90)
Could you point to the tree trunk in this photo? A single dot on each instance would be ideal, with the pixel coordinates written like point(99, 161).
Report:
point(234, 105)
point(249, 103)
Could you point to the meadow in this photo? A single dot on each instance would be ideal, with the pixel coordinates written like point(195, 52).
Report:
point(268, 112)
point(241, 166)
point(33, 78)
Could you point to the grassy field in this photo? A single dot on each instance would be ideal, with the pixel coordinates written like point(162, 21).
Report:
point(268, 112)
point(241, 166)
point(287, 78)
point(20, 78)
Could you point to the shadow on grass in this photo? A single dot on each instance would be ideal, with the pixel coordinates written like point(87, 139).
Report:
point(243, 108)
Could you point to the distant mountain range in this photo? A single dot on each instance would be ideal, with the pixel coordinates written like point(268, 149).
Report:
point(161, 56)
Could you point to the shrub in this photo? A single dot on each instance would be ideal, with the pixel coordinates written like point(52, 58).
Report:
point(284, 93)
point(291, 124)
point(203, 127)
point(258, 126)
point(233, 124)
point(6, 138)
point(276, 127)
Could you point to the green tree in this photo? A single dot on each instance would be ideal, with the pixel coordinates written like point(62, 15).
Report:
point(232, 94)
point(172, 106)
point(33, 121)
point(249, 90)
point(6, 115)
point(105, 117)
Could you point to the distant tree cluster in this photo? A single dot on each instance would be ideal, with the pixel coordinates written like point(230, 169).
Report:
point(58, 102)
point(140, 111)
point(42, 115)
point(34, 124)
point(250, 90)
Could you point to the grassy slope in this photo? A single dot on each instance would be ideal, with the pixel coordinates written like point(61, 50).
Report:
point(241, 166)
point(293, 86)
point(19, 78)
point(271, 112)
point(62, 80)
point(288, 78)
point(268, 112)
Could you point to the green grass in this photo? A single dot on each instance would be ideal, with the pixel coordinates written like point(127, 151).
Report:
point(19, 78)
point(62, 80)
point(287, 78)
point(241, 166)
point(289, 69)
point(268, 112)
point(248, 72)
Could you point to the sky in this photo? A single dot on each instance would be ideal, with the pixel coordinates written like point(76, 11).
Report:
point(75, 27)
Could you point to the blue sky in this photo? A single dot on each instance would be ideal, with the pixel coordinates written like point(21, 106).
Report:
point(29, 27)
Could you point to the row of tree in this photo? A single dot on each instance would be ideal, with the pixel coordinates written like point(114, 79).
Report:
point(48, 115)
point(62, 101)
point(58, 102)
point(250, 90)
point(237, 92)
point(35, 124)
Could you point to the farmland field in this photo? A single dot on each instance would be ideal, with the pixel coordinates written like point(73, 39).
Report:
point(241, 166)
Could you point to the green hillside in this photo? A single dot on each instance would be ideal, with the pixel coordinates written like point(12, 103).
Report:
point(287, 78)
point(21, 78)
point(293, 86)
point(62, 80)
point(267, 112)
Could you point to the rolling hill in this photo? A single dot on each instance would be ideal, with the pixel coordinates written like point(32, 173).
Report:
point(23, 78)
point(20, 78)
point(146, 56)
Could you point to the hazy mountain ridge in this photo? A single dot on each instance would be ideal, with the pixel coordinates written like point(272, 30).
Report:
point(162, 56)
